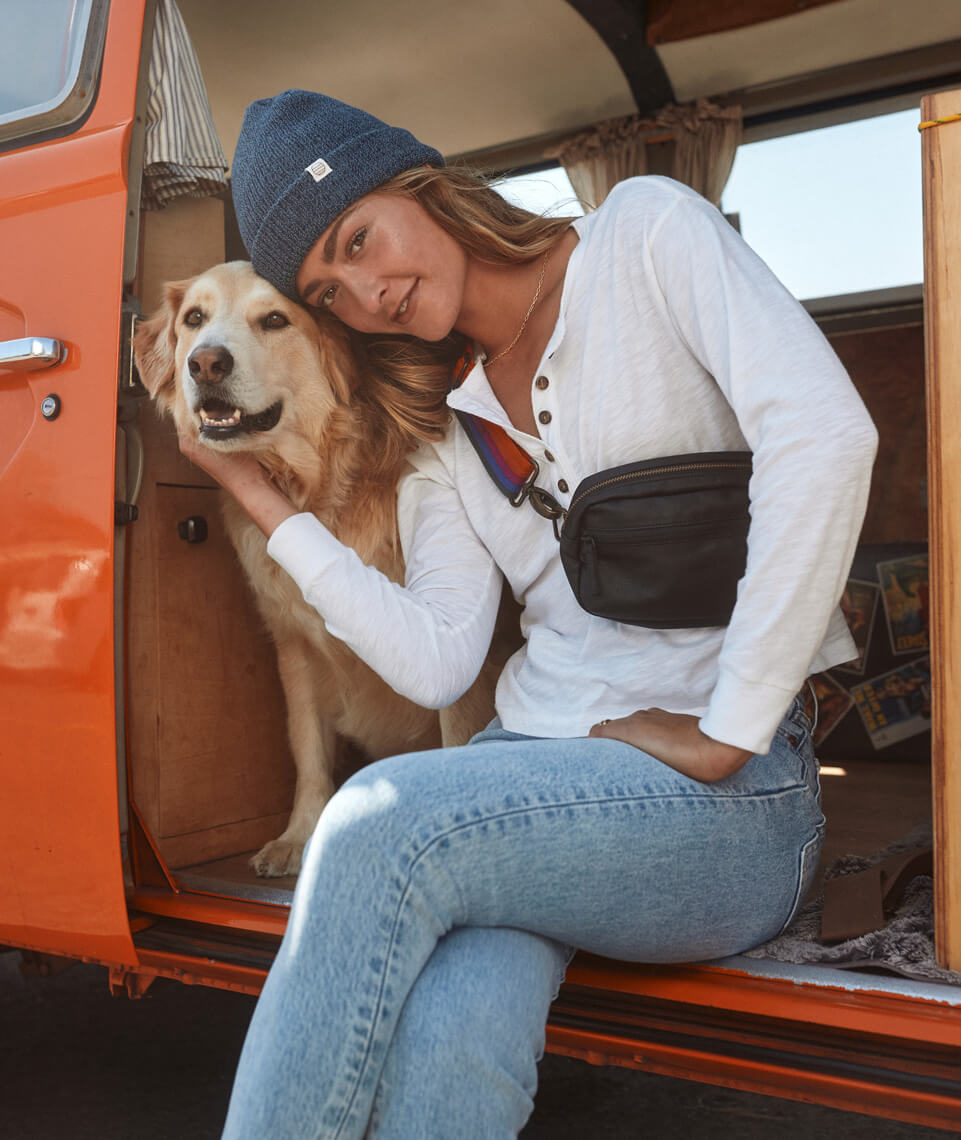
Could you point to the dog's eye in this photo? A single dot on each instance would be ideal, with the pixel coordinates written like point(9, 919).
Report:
point(275, 321)
point(193, 317)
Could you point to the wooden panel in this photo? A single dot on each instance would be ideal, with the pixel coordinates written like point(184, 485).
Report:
point(670, 20)
point(871, 803)
point(887, 367)
point(184, 238)
point(163, 462)
point(941, 174)
point(221, 725)
point(244, 836)
point(210, 767)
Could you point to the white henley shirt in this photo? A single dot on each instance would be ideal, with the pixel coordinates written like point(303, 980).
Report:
point(672, 337)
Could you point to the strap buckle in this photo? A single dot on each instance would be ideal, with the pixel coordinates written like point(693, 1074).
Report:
point(542, 501)
point(548, 507)
point(520, 495)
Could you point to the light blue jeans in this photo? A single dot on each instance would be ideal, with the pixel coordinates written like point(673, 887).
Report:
point(441, 896)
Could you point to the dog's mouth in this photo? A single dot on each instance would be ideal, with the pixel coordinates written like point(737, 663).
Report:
point(220, 420)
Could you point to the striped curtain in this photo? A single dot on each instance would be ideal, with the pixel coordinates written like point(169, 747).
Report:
point(183, 156)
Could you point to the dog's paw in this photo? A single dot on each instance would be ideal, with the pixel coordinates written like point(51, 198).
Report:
point(278, 857)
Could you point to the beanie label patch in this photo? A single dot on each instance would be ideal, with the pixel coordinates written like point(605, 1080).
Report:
point(318, 169)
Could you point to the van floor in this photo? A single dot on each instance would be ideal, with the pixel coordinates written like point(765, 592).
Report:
point(868, 805)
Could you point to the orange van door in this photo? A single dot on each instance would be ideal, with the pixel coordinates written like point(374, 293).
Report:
point(68, 80)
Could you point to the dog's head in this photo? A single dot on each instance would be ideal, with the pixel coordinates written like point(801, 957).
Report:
point(237, 363)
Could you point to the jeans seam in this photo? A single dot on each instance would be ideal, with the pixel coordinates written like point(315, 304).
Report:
point(803, 853)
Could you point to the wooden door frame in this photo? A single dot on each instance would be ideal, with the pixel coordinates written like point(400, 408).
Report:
point(941, 177)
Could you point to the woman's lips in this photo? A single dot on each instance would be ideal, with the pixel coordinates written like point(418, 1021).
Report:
point(407, 307)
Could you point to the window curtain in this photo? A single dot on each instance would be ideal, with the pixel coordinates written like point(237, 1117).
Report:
point(183, 155)
point(695, 144)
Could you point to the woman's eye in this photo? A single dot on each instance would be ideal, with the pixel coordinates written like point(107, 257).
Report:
point(328, 296)
point(193, 317)
point(275, 320)
point(357, 241)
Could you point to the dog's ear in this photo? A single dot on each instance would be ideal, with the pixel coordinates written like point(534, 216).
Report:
point(155, 342)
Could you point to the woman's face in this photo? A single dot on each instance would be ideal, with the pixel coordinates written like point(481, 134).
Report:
point(385, 266)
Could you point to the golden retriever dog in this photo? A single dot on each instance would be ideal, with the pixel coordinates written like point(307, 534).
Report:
point(231, 358)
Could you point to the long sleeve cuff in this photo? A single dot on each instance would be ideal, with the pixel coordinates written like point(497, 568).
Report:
point(305, 548)
point(745, 714)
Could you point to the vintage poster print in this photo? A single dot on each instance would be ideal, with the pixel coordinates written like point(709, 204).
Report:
point(833, 702)
point(896, 705)
point(904, 590)
point(859, 604)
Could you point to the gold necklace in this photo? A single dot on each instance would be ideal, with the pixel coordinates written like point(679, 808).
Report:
point(537, 293)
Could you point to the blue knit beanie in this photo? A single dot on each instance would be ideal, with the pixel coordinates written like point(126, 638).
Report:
point(301, 160)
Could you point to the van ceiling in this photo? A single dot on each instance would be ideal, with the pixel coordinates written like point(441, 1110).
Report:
point(471, 77)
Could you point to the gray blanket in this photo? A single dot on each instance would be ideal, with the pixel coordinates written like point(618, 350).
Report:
point(905, 945)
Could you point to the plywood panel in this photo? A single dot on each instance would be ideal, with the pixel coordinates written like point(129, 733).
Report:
point(871, 803)
point(245, 835)
point(210, 768)
point(221, 728)
point(941, 173)
point(887, 367)
point(184, 238)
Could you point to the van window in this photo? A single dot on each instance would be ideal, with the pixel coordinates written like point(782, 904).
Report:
point(836, 210)
point(547, 191)
point(50, 52)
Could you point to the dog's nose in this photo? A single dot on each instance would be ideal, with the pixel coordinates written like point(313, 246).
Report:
point(210, 365)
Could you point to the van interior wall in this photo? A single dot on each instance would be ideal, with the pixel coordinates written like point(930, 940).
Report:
point(887, 368)
point(210, 769)
point(872, 801)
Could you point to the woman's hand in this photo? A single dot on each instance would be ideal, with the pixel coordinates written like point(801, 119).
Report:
point(222, 466)
point(676, 740)
point(243, 477)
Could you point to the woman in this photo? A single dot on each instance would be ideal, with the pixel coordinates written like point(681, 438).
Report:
point(648, 795)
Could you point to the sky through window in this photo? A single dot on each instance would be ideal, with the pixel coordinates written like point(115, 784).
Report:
point(832, 211)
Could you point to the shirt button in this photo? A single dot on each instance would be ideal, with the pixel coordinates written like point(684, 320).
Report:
point(549, 456)
point(562, 486)
point(541, 382)
point(544, 417)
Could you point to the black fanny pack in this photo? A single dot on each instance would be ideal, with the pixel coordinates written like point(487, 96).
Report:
point(661, 543)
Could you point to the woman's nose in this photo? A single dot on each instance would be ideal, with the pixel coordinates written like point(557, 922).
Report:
point(369, 291)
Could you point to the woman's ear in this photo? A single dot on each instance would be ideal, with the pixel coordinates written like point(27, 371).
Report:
point(155, 344)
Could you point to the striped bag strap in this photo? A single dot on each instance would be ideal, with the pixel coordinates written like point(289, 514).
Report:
point(508, 464)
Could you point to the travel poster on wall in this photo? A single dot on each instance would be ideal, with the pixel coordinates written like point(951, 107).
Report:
point(904, 591)
point(897, 704)
point(859, 604)
point(833, 702)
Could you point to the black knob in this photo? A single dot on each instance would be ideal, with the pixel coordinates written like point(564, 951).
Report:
point(193, 529)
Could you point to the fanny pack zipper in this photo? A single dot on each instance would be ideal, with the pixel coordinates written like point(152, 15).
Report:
point(669, 470)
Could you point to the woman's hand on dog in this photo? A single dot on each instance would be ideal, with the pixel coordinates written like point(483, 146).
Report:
point(242, 477)
point(676, 740)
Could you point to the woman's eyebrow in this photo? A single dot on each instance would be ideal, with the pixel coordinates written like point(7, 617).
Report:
point(329, 250)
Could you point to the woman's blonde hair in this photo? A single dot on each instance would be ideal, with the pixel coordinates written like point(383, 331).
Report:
point(408, 378)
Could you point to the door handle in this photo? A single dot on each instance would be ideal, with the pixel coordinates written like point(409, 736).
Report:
point(30, 353)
